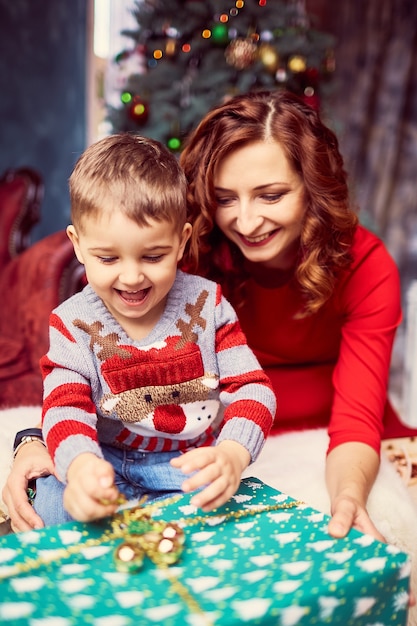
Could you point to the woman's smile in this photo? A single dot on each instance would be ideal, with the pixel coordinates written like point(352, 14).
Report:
point(260, 239)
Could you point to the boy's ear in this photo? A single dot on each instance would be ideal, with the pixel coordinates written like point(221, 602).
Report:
point(185, 235)
point(73, 236)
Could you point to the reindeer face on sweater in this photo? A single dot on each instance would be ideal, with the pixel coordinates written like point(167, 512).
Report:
point(162, 387)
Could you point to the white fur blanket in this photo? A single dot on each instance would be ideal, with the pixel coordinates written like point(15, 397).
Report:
point(294, 464)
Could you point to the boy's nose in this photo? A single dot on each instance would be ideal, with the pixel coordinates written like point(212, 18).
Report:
point(131, 275)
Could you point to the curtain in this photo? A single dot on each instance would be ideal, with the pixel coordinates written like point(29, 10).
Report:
point(374, 109)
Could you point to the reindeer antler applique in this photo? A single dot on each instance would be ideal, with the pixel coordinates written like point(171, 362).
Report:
point(186, 328)
point(108, 343)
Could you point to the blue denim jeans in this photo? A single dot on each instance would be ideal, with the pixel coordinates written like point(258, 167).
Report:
point(136, 474)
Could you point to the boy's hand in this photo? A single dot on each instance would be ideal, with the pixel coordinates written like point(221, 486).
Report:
point(90, 492)
point(218, 468)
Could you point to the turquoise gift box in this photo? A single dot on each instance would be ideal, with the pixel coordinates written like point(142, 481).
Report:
point(262, 558)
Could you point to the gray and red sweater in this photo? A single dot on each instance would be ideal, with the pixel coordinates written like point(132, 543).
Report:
point(191, 382)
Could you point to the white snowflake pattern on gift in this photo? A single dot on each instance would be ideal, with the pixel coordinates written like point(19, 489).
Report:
point(81, 602)
point(286, 586)
point(202, 583)
point(340, 557)
point(209, 550)
point(204, 535)
point(255, 576)
point(28, 584)
point(253, 485)
point(374, 564)
point(364, 540)
point(262, 560)
point(292, 615)
point(327, 606)
point(222, 565)
point(249, 610)
point(74, 585)
point(16, 610)
point(243, 527)
point(70, 536)
point(94, 552)
point(73, 569)
point(297, 567)
point(166, 574)
point(315, 518)
point(29, 537)
point(400, 601)
point(362, 605)
point(241, 497)
point(215, 521)
point(7, 554)
point(127, 599)
point(284, 538)
point(281, 516)
point(159, 613)
point(245, 543)
point(219, 595)
point(202, 619)
point(321, 546)
point(334, 575)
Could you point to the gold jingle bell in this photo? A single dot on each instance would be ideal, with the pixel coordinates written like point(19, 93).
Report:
point(129, 557)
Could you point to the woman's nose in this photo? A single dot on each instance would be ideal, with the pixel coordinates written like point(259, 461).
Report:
point(247, 220)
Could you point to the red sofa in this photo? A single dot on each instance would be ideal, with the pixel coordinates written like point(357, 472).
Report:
point(33, 280)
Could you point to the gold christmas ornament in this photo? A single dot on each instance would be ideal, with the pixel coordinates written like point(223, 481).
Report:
point(297, 63)
point(268, 56)
point(241, 53)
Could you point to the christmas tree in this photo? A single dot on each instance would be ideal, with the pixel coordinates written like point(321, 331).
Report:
point(189, 55)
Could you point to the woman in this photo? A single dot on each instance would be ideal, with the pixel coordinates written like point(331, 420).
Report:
point(317, 295)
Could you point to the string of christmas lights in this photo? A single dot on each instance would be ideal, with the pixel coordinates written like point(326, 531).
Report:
point(188, 56)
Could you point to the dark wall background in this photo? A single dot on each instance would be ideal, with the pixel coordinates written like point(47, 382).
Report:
point(43, 95)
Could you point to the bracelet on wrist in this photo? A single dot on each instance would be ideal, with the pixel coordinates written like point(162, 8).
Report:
point(27, 436)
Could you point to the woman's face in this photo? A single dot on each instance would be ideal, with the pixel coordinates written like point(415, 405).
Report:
point(260, 203)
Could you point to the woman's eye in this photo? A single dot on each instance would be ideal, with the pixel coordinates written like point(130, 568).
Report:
point(272, 197)
point(224, 201)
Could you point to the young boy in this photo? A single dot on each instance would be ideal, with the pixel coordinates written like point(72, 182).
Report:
point(148, 376)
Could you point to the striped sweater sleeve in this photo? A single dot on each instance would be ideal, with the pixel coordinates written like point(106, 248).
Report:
point(69, 417)
point(245, 390)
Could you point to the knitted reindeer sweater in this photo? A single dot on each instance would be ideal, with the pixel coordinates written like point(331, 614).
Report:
point(191, 381)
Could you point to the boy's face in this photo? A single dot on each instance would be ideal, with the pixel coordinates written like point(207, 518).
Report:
point(130, 267)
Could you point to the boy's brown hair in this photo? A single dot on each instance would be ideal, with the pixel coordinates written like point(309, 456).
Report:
point(130, 173)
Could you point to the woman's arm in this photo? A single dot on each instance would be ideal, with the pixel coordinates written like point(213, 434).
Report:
point(351, 469)
point(32, 460)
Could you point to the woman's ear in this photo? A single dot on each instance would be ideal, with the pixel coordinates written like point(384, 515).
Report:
point(184, 237)
point(73, 236)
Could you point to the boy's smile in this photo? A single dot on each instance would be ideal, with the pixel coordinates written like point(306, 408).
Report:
point(131, 267)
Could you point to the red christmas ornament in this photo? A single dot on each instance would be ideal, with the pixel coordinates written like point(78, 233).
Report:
point(139, 111)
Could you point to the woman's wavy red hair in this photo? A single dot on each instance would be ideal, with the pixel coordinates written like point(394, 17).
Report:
point(312, 150)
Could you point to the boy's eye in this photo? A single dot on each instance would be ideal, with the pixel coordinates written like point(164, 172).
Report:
point(106, 259)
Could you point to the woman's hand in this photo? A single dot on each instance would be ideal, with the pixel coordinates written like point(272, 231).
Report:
point(348, 513)
point(32, 461)
point(90, 492)
point(217, 468)
point(351, 469)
